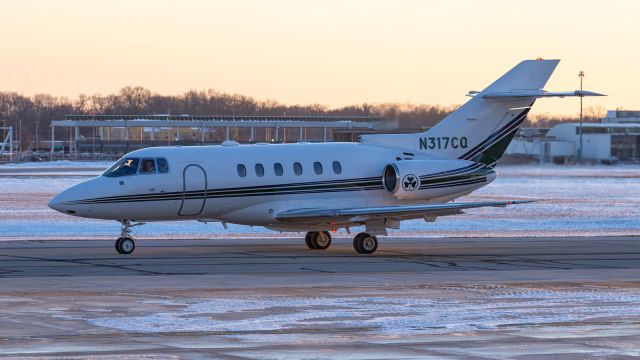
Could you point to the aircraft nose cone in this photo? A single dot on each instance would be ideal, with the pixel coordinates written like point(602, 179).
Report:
point(65, 202)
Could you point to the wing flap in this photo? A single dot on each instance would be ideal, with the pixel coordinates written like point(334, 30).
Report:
point(397, 212)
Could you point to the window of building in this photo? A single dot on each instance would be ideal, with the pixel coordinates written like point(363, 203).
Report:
point(163, 167)
point(259, 170)
point(297, 168)
point(317, 167)
point(147, 166)
point(277, 168)
point(242, 170)
point(337, 167)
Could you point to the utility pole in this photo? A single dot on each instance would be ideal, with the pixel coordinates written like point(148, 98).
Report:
point(38, 135)
point(581, 76)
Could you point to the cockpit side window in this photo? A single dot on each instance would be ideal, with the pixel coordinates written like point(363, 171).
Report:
point(147, 166)
point(124, 167)
point(163, 167)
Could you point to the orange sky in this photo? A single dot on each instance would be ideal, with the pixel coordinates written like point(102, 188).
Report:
point(327, 52)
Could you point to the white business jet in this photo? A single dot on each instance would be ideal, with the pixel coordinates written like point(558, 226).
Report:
point(318, 187)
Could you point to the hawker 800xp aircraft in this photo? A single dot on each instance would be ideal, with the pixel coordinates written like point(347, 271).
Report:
point(318, 187)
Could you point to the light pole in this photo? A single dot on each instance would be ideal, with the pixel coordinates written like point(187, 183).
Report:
point(581, 76)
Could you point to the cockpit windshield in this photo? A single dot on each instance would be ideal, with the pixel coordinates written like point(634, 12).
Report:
point(124, 167)
point(129, 166)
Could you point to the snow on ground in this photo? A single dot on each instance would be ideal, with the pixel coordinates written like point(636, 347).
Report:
point(487, 308)
point(578, 201)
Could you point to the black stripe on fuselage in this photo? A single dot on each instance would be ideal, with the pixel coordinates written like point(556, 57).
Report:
point(451, 172)
point(201, 196)
point(283, 189)
point(329, 186)
point(276, 187)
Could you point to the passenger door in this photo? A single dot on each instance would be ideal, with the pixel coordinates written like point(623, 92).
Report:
point(194, 190)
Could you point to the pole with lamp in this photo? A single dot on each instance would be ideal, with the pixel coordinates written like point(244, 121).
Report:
point(581, 76)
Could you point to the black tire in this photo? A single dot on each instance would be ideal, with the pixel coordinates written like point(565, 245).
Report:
point(365, 243)
point(125, 245)
point(320, 240)
point(118, 245)
point(328, 234)
point(356, 241)
point(307, 240)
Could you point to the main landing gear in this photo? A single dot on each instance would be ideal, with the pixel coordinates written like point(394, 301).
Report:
point(318, 240)
point(364, 243)
point(125, 244)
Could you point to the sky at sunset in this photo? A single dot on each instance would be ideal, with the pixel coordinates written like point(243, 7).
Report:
point(329, 52)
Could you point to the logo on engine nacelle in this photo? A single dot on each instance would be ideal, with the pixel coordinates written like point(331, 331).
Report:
point(410, 182)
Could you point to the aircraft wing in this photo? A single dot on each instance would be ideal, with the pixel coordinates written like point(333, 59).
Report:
point(402, 212)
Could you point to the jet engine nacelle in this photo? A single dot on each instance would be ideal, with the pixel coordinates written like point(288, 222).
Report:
point(410, 179)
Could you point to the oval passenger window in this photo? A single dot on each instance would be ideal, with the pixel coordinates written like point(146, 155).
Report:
point(242, 170)
point(277, 168)
point(259, 170)
point(297, 168)
point(337, 168)
point(317, 167)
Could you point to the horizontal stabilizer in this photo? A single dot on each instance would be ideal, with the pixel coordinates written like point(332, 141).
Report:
point(514, 94)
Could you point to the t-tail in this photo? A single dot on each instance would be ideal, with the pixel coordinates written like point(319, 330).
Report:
point(482, 128)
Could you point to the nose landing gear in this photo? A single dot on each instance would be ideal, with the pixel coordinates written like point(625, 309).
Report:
point(125, 244)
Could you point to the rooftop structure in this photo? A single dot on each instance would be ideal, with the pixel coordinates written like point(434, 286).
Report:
point(622, 116)
point(123, 133)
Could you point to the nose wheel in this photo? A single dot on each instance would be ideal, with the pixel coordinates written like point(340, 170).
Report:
point(365, 243)
point(125, 244)
point(318, 240)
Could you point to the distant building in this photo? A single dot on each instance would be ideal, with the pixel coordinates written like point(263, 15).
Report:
point(621, 116)
point(602, 143)
point(118, 134)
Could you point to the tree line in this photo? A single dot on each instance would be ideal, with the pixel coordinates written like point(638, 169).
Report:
point(31, 114)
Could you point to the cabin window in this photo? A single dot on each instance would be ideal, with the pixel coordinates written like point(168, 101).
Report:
point(147, 166)
point(297, 168)
point(277, 168)
point(124, 167)
point(337, 167)
point(259, 170)
point(163, 167)
point(242, 170)
point(317, 167)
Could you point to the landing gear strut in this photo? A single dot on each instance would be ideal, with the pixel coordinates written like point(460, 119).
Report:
point(365, 243)
point(125, 244)
point(318, 240)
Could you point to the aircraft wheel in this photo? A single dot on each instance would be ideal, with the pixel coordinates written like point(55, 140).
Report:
point(307, 240)
point(319, 240)
point(365, 243)
point(125, 245)
point(118, 245)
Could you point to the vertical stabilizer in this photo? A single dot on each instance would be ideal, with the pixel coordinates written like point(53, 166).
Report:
point(481, 129)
